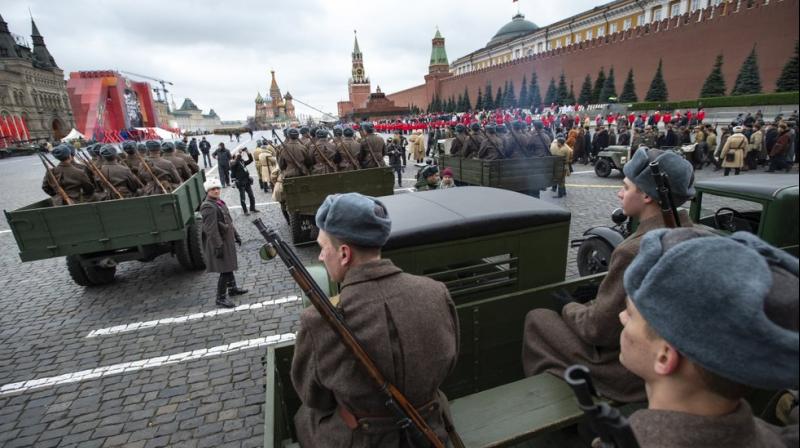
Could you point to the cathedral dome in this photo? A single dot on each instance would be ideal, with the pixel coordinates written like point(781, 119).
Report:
point(517, 27)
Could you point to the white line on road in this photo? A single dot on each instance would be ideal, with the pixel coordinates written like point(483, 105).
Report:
point(257, 203)
point(181, 319)
point(149, 363)
point(582, 172)
point(5, 231)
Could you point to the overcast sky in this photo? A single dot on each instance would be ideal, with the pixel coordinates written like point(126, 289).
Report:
point(219, 53)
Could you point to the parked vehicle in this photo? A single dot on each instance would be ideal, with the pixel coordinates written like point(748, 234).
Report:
point(529, 175)
point(611, 158)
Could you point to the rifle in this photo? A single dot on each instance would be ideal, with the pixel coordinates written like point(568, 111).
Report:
point(363, 137)
point(611, 427)
point(49, 167)
point(302, 167)
point(97, 173)
point(324, 157)
point(350, 157)
point(499, 150)
point(143, 162)
point(516, 140)
point(408, 418)
point(668, 210)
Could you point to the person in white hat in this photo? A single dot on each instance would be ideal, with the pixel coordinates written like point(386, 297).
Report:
point(219, 237)
point(732, 154)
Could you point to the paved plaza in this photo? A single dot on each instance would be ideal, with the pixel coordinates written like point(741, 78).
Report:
point(149, 360)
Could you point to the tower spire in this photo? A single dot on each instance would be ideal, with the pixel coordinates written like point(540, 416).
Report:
point(41, 55)
point(357, 72)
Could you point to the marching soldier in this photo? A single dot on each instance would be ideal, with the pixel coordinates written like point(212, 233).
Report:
point(349, 151)
point(305, 139)
point(340, 404)
point(118, 174)
point(474, 139)
point(373, 148)
point(293, 158)
point(461, 141)
point(71, 179)
point(130, 160)
point(324, 154)
point(180, 146)
point(168, 148)
point(516, 142)
point(492, 145)
point(163, 169)
point(539, 142)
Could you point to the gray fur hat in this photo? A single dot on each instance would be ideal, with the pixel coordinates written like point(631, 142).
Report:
point(740, 320)
point(678, 169)
point(356, 219)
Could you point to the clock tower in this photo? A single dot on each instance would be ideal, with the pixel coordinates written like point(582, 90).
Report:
point(358, 86)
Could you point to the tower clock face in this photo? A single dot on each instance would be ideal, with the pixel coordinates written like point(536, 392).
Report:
point(359, 71)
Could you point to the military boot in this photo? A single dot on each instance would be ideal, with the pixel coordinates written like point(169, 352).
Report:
point(224, 302)
point(236, 291)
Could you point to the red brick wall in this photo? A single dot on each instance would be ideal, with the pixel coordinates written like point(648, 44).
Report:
point(687, 47)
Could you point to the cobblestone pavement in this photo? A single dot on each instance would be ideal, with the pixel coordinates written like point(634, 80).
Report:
point(163, 365)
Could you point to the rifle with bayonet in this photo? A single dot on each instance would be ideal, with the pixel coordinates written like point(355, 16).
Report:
point(611, 427)
point(88, 162)
point(668, 210)
point(49, 166)
point(408, 418)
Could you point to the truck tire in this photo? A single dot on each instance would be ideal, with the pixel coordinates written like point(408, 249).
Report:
point(76, 271)
point(189, 250)
point(296, 224)
point(602, 168)
point(100, 276)
point(594, 255)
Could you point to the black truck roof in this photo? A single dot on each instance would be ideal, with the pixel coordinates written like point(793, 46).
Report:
point(457, 213)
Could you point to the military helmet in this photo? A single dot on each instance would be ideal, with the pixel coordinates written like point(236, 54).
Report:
point(141, 147)
point(475, 127)
point(128, 146)
point(304, 130)
point(460, 128)
point(167, 147)
point(180, 145)
point(108, 152)
point(61, 152)
point(321, 133)
point(348, 132)
point(293, 133)
point(153, 146)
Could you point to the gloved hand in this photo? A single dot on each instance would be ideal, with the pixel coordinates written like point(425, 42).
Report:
point(238, 240)
point(561, 298)
point(218, 252)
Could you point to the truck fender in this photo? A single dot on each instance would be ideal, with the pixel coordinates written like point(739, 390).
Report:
point(607, 234)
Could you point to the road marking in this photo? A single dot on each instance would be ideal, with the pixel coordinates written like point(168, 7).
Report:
point(593, 186)
point(405, 189)
point(582, 172)
point(148, 363)
point(257, 203)
point(5, 231)
point(181, 319)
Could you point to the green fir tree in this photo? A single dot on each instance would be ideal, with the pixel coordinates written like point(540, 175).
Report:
point(460, 103)
point(629, 90)
point(571, 96)
point(498, 99)
point(551, 96)
point(749, 81)
point(467, 102)
point(658, 88)
point(488, 101)
point(510, 97)
point(534, 94)
point(479, 101)
point(562, 93)
point(609, 89)
point(715, 82)
point(524, 98)
point(598, 86)
point(585, 96)
point(788, 81)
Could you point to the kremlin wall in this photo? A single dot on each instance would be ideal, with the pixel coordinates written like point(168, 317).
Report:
point(687, 44)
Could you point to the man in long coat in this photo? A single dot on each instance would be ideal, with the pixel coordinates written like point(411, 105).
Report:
point(733, 152)
point(413, 342)
point(219, 237)
point(589, 333)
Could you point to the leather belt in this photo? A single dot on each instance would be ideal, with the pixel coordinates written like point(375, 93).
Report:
point(381, 422)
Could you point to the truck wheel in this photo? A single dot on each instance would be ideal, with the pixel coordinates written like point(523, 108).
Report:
point(189, 250)
point(100, 276)
point(594, 255)
point(76, 271)
point(296, 224)
point(602, 168)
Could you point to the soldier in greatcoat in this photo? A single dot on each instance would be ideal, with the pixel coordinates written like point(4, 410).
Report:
point(163, 169)
point(294, 159)
point(413, 342)
point(589, 333)
point(324, 154)
point(219, 240)
point(169, 154)
point(703, 343)
point(181, 152)
point(118, 174)
point(349, 160)
point(373, 148)
point(492, 145)
point(72, 179)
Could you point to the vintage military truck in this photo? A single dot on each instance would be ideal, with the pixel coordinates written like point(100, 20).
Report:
point(96, 236)
point(611, 158)
point(528, 175)
point(763, 204)
point(487, 246)
point(303, 195)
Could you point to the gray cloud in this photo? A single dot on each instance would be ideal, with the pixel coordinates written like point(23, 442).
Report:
point(220, 53)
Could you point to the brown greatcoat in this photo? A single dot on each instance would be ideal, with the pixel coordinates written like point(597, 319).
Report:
point(122, 178)
point(589, 333)
point(190, 163)
point(180, 165)
point(318, 149)
point(739, 429)
point(294, 159)
point(516, 144)
point(375, 145)
point(165, 171)
point(738, 145)
point(491, 148)
point(72, 179)
point(409, 327)
point(219, 236)
point(353, 148)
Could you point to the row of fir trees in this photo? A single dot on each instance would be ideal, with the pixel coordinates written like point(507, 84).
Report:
point(603, 88)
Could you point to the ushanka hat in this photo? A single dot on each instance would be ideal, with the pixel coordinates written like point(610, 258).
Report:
point(738, 320)
point(678, 170)
point(356, 219)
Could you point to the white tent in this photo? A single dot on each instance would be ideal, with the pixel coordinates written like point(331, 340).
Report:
point(73, 135)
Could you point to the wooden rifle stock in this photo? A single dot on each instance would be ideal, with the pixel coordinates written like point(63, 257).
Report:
point(372, 154)
point(668, 211)
point(48, 167)
point(152, 174)
point(324, 157)
point(407, 416)
point(350, 157)
point(100, 175)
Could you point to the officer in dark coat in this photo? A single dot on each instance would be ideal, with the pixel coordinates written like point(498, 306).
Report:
point(242, 180)
point(223, 157)
point(413, 342)
point(73, 180)
point(219, 237)
point(205, 148)
point(193, 150)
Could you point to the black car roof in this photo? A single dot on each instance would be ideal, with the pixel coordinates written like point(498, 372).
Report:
point(457, 213)
point(766, 186)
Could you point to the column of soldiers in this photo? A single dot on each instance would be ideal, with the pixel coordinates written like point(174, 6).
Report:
point(141, 169)
point(494, 142)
